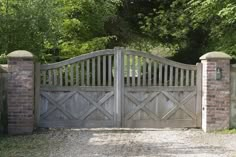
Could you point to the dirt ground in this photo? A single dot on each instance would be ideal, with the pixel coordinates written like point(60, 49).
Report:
point(121, 143)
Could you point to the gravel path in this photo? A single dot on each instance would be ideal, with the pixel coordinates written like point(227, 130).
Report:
point(139, 143)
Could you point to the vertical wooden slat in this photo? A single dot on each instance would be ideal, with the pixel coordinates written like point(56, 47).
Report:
point(182, 77)
point(192, 78)
point(99, 71)
point(128, 70)
point(199, 95)
point(88, 72)
point(187, 78)
point(171, 76)
point(93, 72)
point(166, 75)
point(77, 73)
point(109, 70)
point(139, 71)
point(82, 73)
point(71, 74)
point(133, 70)
point(66, 75)
point(176, 76)
point(149, 72)
point(50, 82)
point(104, 78)
point(144, 71)
point(55, 76)
point(160, 74)
point(44, 77)
point(119, 87)
point(155, 74)
point(37, 93)
point(61, 77)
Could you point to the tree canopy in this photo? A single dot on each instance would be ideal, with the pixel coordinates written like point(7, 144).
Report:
point(55, 30)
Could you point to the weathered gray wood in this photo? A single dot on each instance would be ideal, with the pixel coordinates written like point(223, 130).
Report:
point(139, 71)
point(159, 88)
point(77, 59)
point(176, 76)
point(166, 75)
point(149, 72)
point(93, 72)
point(50, 81)
point(179, 105)
point(109, 70)
point(199, 95)
point(133, 70)
point(101, 101)
point(119, 105)
point(119, 86)
point(44, 77)
point(171, 76)
point(55, 77)
point(144, 71)
point(82, 74)
point(187, 78)
point(181, 77)
point(162, 60)
point(77, 73)
point(60, 76)
point(88, 73)
point(104, 71)
point(76, 88)
point(37, 93)
point(71, 75)
point(66, 75)
point(155, 74)
point(160, 75)
point(192, 78)
point(128, 71)
point(99, 71)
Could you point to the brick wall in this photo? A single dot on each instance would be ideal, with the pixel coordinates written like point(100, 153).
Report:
point(215, 93)
point(20, 92)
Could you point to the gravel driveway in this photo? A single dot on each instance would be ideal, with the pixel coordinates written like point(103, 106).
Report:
point(140, 142)
point(119, 143)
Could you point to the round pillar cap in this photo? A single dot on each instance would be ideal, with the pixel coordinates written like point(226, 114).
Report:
point(215, 55)
point(20, 54)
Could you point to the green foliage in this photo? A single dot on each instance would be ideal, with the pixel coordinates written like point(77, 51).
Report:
point(83, 28)
point(193, 26)
point(26, 25)
point(57, 29)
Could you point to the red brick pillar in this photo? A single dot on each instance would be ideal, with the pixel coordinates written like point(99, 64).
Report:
point(215, 91)
point(20, 92)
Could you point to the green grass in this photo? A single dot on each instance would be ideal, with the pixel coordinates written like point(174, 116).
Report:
point(227, 131)
point(36, 145)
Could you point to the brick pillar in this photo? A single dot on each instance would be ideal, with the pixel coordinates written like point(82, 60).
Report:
point(215, 91)
point(20, 92)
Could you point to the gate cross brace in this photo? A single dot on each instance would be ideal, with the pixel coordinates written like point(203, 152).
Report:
point(97, 105)
point(57, 105)
point(142, 106)
point(179, 105)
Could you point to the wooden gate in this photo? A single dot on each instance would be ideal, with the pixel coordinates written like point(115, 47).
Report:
point(118, 88)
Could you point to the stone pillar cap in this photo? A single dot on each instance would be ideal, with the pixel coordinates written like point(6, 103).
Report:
point(20, 54)
point(215, 55)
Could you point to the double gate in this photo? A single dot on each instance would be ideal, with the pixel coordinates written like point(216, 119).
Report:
point(118, 88)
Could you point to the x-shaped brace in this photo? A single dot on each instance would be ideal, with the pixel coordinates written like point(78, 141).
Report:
point(141, 106)
point(57, 105)
point(97, 105)
point(179, 105)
